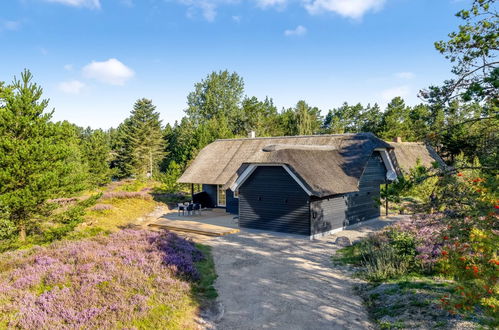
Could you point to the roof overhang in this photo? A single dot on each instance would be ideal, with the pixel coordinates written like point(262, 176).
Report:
point(391, 174)
point(252, 167)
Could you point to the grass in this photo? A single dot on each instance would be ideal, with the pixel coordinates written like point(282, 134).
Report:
point(349, 255)
point(168, 316)
point(124, 212)
point(204, 288)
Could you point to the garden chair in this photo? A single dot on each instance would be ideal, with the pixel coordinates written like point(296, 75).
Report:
point(181, 207)
point(196, 207)
point(190, 209)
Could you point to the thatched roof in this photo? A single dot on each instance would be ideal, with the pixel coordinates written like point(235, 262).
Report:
point(405, 155)
point(327, 164)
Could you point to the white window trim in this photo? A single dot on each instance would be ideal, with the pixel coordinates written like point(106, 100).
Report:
point(219, 186)
point(252, 167)
point(391, 174)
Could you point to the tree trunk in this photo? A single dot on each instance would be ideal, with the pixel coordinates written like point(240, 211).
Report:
point(386, 199)
point(22, 232)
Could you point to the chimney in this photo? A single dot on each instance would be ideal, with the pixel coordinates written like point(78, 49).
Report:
point(398, 139)
point(251, 134)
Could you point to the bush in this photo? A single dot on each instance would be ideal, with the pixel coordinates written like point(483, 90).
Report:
point(126, 195)
point(387, 254)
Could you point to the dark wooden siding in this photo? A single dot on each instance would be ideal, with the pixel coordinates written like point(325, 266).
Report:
point(232, 202)
point(270, 199)
point(211, 190)
point(342, 210)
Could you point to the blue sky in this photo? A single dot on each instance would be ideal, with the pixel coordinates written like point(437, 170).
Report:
point(94, 58)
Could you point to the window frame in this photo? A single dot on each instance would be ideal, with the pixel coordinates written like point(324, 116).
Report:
point(219, 189)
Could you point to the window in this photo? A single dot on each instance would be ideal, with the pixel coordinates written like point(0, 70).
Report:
point(221, 196)
point(236, 193)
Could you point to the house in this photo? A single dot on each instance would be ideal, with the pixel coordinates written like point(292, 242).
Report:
point(307, 185)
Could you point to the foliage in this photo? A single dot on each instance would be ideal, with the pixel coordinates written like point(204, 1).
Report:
point(204, 288)
point(139, 142)
point(107, 281)
point(386, 255)
point(169, 178)
point(96, 150)
point(218, 95)
point(38, 159)
point(473, 49)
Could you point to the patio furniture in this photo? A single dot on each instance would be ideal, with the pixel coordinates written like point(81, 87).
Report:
point(196, 207)
point(190, 208)
point(181, 207)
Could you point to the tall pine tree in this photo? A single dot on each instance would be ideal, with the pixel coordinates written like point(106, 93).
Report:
point(140, 145)
point(38, 159)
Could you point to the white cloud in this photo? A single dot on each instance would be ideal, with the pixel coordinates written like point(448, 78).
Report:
point(92, 4)
point(68, 67)
point(207, 8)
point(405, 75)
point(236, 19)
point(112, 72)
point(9, 25)
point(347, 8)
point(388, 94)
point(271, 3)
point(71, 87)
point(298, 31)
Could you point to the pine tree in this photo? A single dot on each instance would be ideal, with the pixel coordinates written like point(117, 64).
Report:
point(96, 151)
point(140, 144)
point(38, 159)
point(396, 120)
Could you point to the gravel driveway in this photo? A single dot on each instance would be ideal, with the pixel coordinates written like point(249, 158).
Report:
point(272, 281)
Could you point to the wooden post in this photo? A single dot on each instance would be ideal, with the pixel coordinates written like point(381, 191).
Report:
point(386, 199)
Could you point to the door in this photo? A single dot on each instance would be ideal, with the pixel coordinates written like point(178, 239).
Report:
point(221, 197)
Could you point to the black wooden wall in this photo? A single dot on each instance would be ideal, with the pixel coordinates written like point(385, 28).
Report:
point(232, 203)
point(342, 210)
point(270, 199)
point(211, 190)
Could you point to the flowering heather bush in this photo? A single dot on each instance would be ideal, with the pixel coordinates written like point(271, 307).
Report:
point(105, 282)
point(101, 207)
point(126, 194)
point(63, 201)
point(427, 231)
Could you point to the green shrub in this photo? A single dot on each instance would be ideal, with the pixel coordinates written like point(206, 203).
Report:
point(387, 255)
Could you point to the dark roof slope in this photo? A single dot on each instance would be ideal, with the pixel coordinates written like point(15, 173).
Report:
point(327, 164)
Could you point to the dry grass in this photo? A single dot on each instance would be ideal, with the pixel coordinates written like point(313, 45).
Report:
point(123, 212)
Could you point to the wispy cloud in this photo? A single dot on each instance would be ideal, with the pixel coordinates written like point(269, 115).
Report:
point(91, 4)
point(388, 94)
point(298, 31)
point(9, 25)
point(405, 75)
point(346, 8)
point(111, 72)
point(207, 8)
point(271, 3)
point(68, 67)
point(71, 87)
